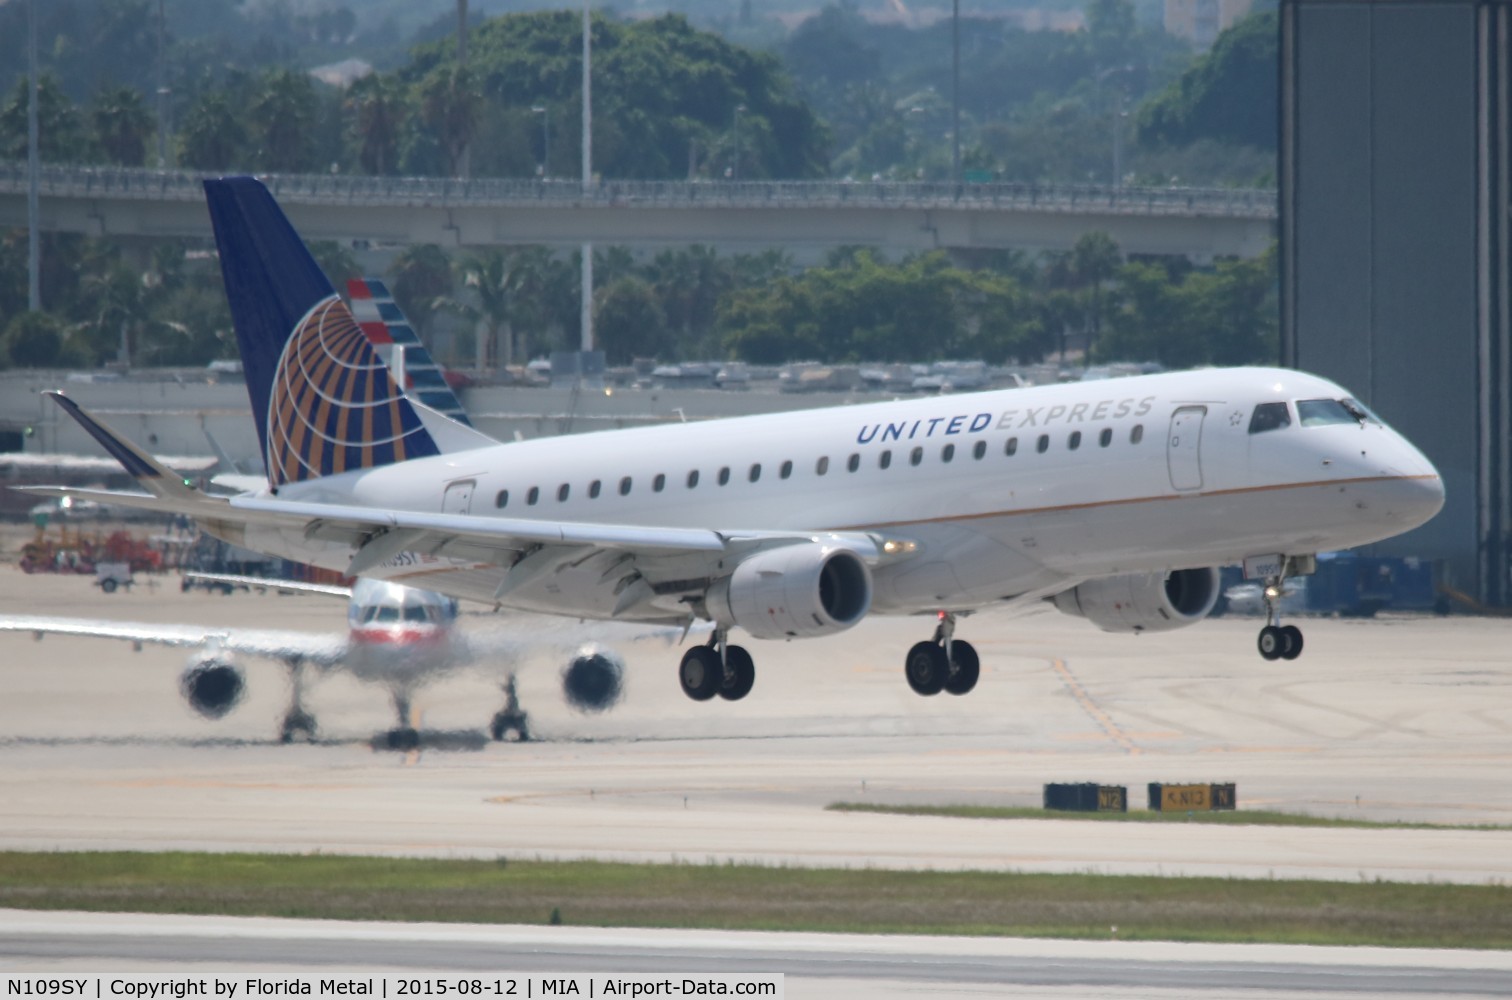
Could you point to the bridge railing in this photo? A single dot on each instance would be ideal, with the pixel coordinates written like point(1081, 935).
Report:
point(57, 180)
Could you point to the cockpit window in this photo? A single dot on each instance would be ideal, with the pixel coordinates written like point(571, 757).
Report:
point(388, 613)
point(415, 613)
point(1269, 417)
point(1320, 412)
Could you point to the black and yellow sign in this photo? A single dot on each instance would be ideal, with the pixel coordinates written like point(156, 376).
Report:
point(1192, 798)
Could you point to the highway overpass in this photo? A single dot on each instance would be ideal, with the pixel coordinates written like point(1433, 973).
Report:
point(1198, 223)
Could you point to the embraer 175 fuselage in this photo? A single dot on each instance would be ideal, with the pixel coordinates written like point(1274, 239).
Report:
point(1116, 499)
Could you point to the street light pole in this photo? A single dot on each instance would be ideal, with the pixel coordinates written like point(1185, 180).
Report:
point(586, 344)
point(735, 160)
point(33, 166)
point(545, 139)
point(955, 92)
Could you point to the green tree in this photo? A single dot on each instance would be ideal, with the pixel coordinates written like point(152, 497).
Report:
point(450, 107)
point(284, 114)
point(122, 125)
point(34, 340)
point(336, 260)
point(61, 135)
point(214, 136)
point(420, 278)
point(629, 322)
point(1228, 94)
point(378, 112)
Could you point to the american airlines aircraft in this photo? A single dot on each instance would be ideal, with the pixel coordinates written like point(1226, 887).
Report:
point(398, 637)
point(1115, 500)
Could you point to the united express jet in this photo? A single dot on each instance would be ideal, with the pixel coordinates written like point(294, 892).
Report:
point(1117, 500)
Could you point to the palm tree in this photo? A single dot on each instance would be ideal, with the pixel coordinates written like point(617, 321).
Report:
point(122, 125)
point(284, 112)
point(378, 109)
point(213, 136)
point(450, 107)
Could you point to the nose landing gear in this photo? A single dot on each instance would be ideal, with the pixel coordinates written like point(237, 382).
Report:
point(1277, 641)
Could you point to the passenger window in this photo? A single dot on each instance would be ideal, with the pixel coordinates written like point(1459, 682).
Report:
point(1269, 417)
point(724, 475)
point(787, 470)
point(562, 492)
point(1105, 437)
point(978, 450)
point(947, 453)
point(1074, 442)
point(659, 483)
point(501, 500)
point(1320, 412)
point(594, 488)
point(1010, 448)
point(1137, 434)
point(755, 472)
point(1043, 444)
point(916, 456)
point(853, 463)
point(822, 466)
point(533, 495)
point(692, 479)
point(625, 487)
point(884, 459)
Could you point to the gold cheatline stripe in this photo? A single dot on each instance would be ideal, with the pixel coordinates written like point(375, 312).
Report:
point(1092, 505)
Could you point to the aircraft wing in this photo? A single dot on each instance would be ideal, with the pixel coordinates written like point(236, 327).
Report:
point(322, 650)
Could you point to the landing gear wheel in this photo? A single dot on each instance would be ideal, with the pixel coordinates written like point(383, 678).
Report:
point(701, 674)
point(1272, 643)
point(505, 723)
point(926, 668)
point(965, 666)
point(739, 675)
point(1292, 637)
point(297, 725)
point(403, 739)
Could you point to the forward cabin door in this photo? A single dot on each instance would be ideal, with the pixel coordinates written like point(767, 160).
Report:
point(1184, 448)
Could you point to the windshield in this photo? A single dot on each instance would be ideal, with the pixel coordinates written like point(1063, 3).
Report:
point(1318, 412)
point(1269, 417)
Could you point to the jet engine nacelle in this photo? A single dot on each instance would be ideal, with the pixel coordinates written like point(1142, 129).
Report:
point(593, 680)
point(793, 591)
point(1143, 602)
point(212, 686)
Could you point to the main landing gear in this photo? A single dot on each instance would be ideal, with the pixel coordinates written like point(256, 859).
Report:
point(298, 724)
point(1277, 641)
point(717, 668)
point(944, 663)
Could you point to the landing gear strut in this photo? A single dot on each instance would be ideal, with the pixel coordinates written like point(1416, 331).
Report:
point(511, 718)
point(297, 723)
point(1277, 641)
point(717, 668)
point(944, 663)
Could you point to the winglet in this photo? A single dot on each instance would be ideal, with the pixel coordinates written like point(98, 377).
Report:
point(156, 477)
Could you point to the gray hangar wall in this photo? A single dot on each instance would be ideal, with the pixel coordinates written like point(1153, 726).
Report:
point(1394, 243)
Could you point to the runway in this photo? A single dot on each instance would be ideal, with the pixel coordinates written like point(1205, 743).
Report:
point(830, 965)
point(1400, 719)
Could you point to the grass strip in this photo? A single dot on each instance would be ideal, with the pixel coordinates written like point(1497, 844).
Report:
point(752, 897)
point(1246, 817)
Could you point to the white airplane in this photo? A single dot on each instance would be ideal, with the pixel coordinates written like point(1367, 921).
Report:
point(1116, 500)
point(398, 637)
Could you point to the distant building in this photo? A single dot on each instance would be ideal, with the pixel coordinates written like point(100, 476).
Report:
point(1200, 21)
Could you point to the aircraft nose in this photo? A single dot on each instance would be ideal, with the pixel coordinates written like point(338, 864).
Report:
point(1418, 493)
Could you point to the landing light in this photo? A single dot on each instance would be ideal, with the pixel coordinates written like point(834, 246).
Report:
point(1272, 591)
point(893, 547)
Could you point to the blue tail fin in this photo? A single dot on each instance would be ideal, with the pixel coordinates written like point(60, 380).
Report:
point(323, 400)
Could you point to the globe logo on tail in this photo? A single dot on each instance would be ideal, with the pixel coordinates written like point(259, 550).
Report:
point(334, 406)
